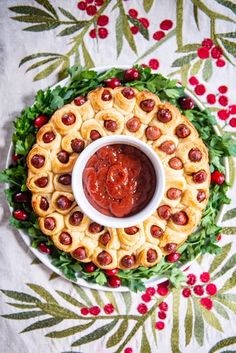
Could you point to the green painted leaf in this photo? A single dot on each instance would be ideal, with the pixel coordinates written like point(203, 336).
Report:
point(111, 298)
point(221, 310)
point(196, 67)
point(211, 318)
point(35, 19)
point(229, 284)
point(231, 170)
point(22, 297)
point(141, 27)
point(40, 28)
point(184, 60)
point(42, 292)
point(184, 74)
point(46, 4)
point(225, 302)
point(22, 306)
point(188, 48)
point(39, 63)
point(229, 46)
point(42, 324)
point(30, 10)
point(127, 300)
point(227, 35)
point(222, 344)
point(118, 335)
point(119, 35)
point(195, 15)
point(83, 295)
point(153, 323)
point(95, 335)
point(179, 23)
point(227, 266)
point(229, 214)
point(70, 299)
point(24, 315)
point(198, 324)
point(145, 345)
point(147, 5)
point(229, 296)
point(72, 29)
point(70, 331)
point(97, 297)
point(228, 230)
point(210, 13)
point(67, 14)
point(207, 70)
point(218, 259)
point(48, 71)
point(87, 58)
point(128, 35)
point(229, 4)
point(188, 323)
point(38, 55)
point(57, 311)
point(175, 327)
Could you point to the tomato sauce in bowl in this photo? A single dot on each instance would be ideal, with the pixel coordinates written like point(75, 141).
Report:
point(119, 180)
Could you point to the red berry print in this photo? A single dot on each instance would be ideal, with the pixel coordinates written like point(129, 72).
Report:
point(163, 306)
point(144, 22)
point(216, 52)
point(134, 29)
point(159, 325)
point(200, 89)
point(95, 310)
point(91, 10)
point(193, 80)
point(81, 5)
point(223, 114)
point(207, 43)
point(222, 89)
point(211, 98)
point(232, 109)
point(102, 20)
point(150, 291)
point(223, 100)
point(89, 1)
point(220, 63)
point(198, 290)
point(207, 303)
point(217, 177)
point(203, 53)
point(162, 290)
point(186, 292)
point(128, 350)
point(92, 33)
point(166, 25)
point(154, 64)
point(142, 308)
point(108, 309)
point(133, 13)
point(211, 289)
point(191, 279)
point(84, 311)
point(232, 122)
point(102, 33)
point(158, 35)
point(99, 2)
point(161, 315)
point(146, 297)
point(44, 248)
point(205, 277)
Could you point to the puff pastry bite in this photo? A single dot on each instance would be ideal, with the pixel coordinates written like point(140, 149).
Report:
point(123, 110)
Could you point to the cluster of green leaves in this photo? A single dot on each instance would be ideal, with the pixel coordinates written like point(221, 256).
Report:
point(81, 82)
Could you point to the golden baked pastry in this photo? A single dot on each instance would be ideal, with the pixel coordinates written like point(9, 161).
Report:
point(123, 110)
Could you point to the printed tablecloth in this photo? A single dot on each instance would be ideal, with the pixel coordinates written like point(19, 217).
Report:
point(191, 40)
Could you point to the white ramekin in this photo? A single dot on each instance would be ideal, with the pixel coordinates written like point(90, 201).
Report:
point(89, 210)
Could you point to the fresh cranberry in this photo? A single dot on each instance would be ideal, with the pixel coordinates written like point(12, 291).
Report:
point(94, 310)
point(232, 122)
point(133, 13)
point(211, 98)
point(40, 121)
point(142, 308)
point(15, 157)
point(146, 297)
point(200, 90)
point(159, 325)
point(166, 25)
point(114, 281)
point(154, 64)
point(186, 103)
point(102, 20)
point(232, 109)
point(22, 197)
point(223, 100)
point(205, 277)
point(191, 279)
point(223, 114)
point(162, 315)
point(111, 272)
point(112, 82)
point(162, 290)
point(163, 306)
point(207, 303)
point(218, 237)
point(93, 33)
point(84, 311)
point(44, 248)
point(151, 291)
point(131, 74)
point(20, 215)
point(134, 29)
point(158, 35)
point(211, 289)
point(90, 267)
point(173, 257)
point(80, 100)
point(207, 43)
point(91, 10)
point(102, 32)
point(198, 290)
point(108, 309)
point(216, 52)
point(186, 292)
point(203, 53)
point(222, 89)
point(81, 5)
point(220, 63)
point(193, 81)
point(217, 177)
point(128, 350)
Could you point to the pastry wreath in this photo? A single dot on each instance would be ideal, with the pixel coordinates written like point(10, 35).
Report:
point(123, 110)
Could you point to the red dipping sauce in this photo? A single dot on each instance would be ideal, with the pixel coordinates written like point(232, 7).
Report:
point(119, 180)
